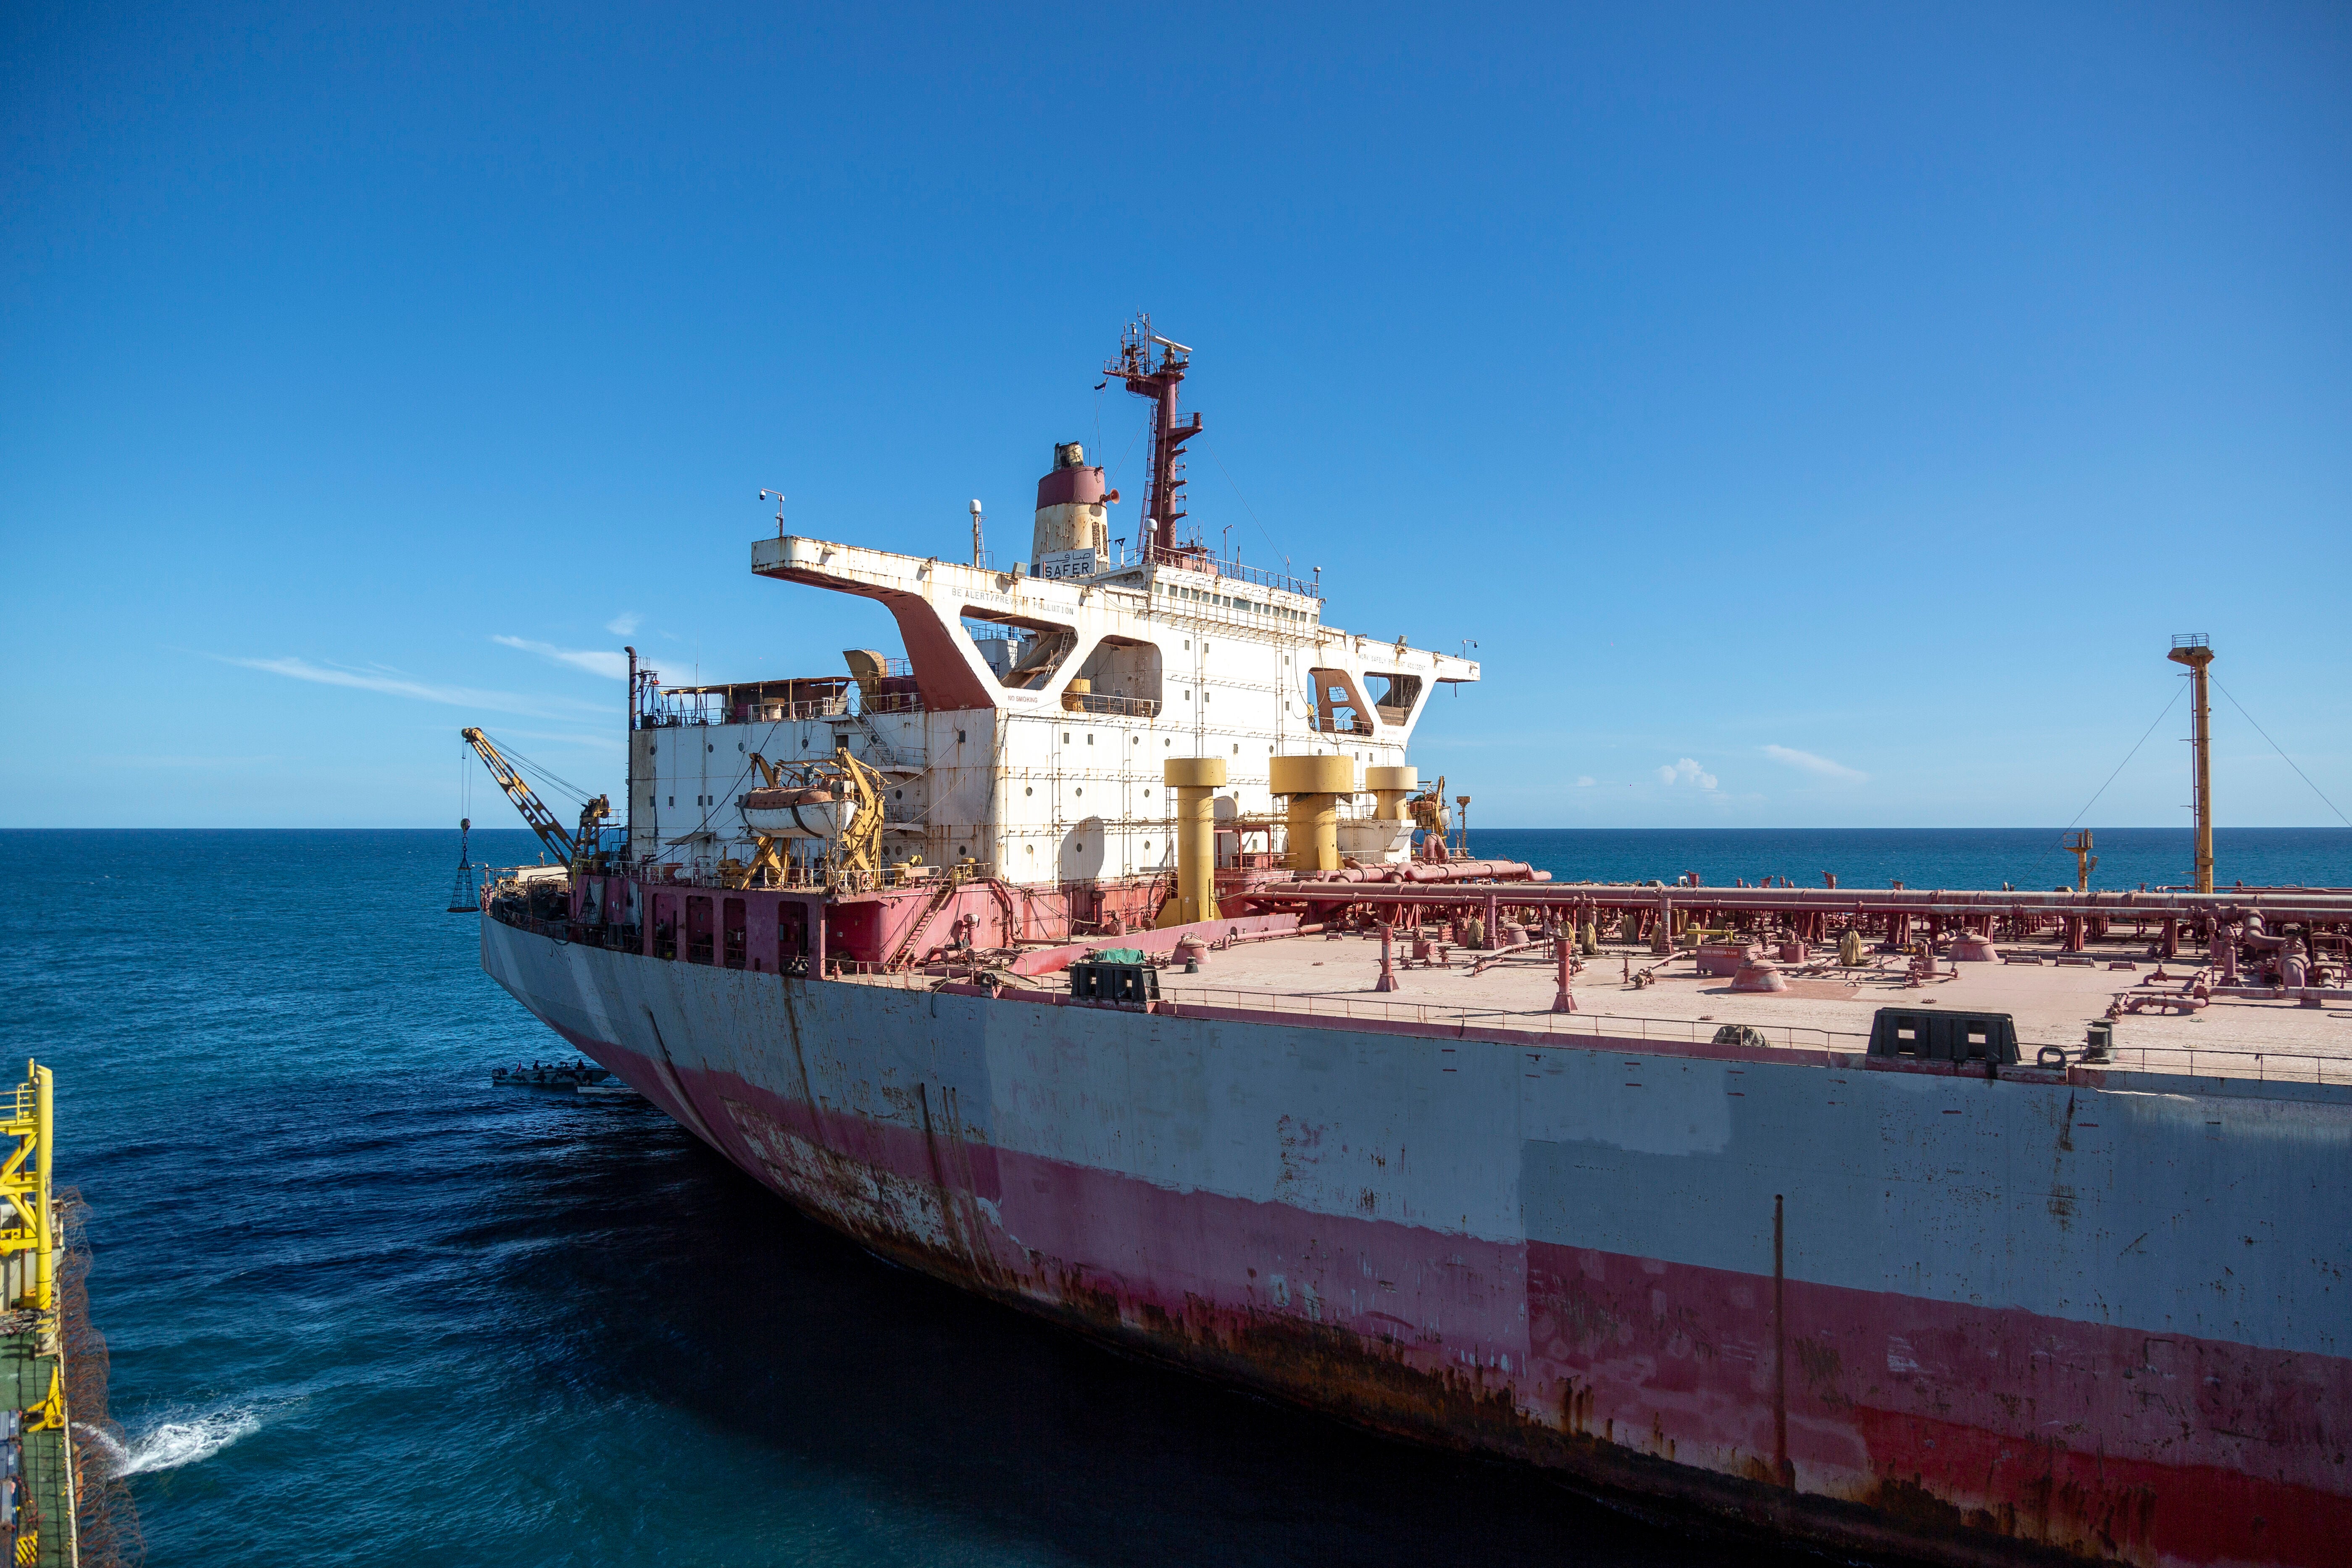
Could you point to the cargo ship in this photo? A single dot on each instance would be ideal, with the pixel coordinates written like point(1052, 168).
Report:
point(1956, 1227)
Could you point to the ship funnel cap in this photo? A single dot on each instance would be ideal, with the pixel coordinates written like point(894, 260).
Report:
point(1072, 483)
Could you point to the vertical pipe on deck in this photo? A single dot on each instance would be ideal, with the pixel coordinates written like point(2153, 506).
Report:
point(1314, 786)
point(1195, 780)
point(2197, 654)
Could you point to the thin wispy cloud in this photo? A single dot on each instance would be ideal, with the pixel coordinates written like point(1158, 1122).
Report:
point(1820, 767)
point(1584, 781)
point(393, 683)
point(594, 660)
point(624, 623)
point(568, 737)
point(1686, 772)
point(184, 761)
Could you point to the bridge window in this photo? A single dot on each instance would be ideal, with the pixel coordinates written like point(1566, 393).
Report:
point(1338, 709)
point(1394, 695)
point(1023, 654)
point(1122, 677)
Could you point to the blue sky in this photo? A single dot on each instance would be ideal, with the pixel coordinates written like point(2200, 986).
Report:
point(1817, 416)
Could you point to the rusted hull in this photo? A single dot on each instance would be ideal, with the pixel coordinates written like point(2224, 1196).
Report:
point(2011, 1322)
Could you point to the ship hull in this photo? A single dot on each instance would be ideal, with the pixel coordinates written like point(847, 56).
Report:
point(1961, 1322)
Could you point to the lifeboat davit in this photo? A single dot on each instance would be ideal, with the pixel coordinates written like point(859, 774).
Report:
point(817, 812)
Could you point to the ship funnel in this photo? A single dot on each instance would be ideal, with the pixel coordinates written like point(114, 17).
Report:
point(1073, 533)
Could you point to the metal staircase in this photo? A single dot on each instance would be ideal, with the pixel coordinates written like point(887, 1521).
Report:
point(902, 955)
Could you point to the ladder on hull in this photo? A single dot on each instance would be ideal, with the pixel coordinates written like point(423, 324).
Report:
point(903, 955)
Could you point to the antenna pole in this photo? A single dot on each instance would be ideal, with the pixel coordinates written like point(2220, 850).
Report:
point(2196, 650)
point(1154, 367)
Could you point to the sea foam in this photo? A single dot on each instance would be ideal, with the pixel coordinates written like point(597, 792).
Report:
point(169, 1445)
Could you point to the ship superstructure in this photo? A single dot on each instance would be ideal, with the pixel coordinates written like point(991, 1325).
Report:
point(1024, 735)
point(1027, 728)
point(1105, 955)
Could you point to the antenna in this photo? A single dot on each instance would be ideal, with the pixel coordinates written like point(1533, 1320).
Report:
point(1157, 375)
point(779, 496)
point(979, 557)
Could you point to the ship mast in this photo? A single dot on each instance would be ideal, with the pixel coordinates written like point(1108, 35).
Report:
point(2193, 649)
point(1157, 375)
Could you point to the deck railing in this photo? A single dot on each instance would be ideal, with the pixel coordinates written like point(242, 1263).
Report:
point(2186, 1061)
point(1280, 582)
point(788, 712)
point(1373, 1009)
point(1101, 703)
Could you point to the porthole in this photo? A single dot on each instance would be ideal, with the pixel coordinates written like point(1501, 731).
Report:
point(1031, 790)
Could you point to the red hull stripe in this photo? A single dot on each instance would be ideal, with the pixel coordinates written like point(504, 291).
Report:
point(1951, 1419)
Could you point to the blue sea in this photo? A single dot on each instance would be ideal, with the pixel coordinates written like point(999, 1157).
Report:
point(1926, 857)
point(365, 1308)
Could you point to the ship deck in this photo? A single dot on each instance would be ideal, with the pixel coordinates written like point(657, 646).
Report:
point(1330, 979)
point(1825, 1006)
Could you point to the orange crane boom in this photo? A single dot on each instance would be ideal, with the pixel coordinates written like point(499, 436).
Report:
point(564, 847)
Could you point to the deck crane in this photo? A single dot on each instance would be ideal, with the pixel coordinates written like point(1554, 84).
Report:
point(566, 848)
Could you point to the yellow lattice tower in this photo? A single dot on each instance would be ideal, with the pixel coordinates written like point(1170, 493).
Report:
point(25, 1183)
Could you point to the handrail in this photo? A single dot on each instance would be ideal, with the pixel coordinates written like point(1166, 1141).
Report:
point(1103, 702)
point(847, 706)
point(1684, 1031)
point(1208, 565)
